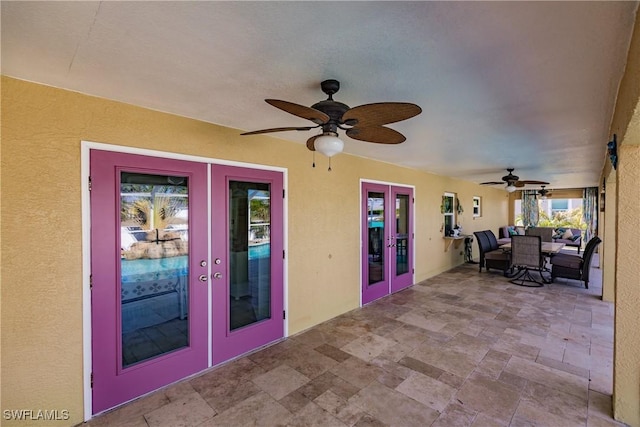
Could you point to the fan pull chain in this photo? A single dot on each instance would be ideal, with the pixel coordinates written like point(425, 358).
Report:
point(314, 159)
point(329, 164)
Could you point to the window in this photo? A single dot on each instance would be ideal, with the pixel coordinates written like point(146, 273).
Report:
point(476, 206)
point(559, 205)
point(448, 211)
point(554, 212)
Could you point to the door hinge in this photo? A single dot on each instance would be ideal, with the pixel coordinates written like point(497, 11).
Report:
point(283, 190)
point(89, 183)
point(91, 281)
point(283, 255)
point(284, 314)
point(91, 379)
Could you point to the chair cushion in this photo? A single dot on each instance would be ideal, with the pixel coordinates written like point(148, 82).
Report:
point(497, 255)
point(567, 261)
point(567, 235)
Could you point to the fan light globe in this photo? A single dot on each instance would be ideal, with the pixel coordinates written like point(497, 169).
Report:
point(329, 145)
point(511, 188)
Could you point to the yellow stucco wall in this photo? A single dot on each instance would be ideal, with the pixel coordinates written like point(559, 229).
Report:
point(41, 247)
point(627, 289)
point(626, 125)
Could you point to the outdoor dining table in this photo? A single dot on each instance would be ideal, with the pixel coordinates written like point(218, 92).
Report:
point(548, 248)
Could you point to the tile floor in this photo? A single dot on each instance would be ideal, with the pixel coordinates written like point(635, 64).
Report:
point(459, 349)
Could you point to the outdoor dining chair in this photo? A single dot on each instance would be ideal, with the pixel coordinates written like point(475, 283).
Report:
point(575, 266)
point(526, 256)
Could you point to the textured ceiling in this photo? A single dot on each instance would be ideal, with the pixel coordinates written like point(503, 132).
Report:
point(529, 85)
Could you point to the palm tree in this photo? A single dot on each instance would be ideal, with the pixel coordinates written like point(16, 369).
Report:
point(156, 210)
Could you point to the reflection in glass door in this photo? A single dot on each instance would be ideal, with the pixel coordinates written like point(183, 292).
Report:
point(154, 269)
point(387, 236)
point(250, 253)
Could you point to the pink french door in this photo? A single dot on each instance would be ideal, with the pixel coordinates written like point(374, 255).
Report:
point(387, 236)
point(247, 268)
point(149, 308)
point(150, 269)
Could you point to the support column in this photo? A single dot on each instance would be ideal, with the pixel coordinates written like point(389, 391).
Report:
point(626, 371)
point(608, 247)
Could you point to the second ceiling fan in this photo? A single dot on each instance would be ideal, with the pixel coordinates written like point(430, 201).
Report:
point(513, 181)
point(365, 122)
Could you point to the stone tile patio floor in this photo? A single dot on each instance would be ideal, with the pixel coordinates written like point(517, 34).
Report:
point(460, 349)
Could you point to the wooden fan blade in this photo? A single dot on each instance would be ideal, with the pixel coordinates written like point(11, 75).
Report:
point(518, 184)
point(308, 113)
point(255, 132)
point(380, 113)
point(377, 134)
point(491, 183)
point(311, 142)
point(525, 181)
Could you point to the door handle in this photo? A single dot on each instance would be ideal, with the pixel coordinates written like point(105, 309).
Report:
point(217, 275)
point(202, 278)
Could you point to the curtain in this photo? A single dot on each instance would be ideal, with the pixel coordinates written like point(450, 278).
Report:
point(590, 211)
point(530, 214)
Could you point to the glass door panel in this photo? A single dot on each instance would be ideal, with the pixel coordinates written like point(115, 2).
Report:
point(376, 236)
point(402, 234)
point(154, 268)
point(250, 253)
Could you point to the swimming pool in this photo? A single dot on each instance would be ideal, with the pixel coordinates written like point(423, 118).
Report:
point(262, 250)
point(148, 269)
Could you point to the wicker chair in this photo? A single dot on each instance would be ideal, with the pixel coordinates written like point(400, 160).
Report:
point(526, 256)
point(575, 266)
point(545, 233)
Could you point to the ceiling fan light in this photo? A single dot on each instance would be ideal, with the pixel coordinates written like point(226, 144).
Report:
point(511, 188)
point(329, 144)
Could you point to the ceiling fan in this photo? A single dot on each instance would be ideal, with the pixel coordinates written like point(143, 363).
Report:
point(513, 181)
point(365, 122)
point(543, 192)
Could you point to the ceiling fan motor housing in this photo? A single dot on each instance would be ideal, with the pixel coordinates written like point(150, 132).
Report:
point(510, 178)
point(335, 110)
